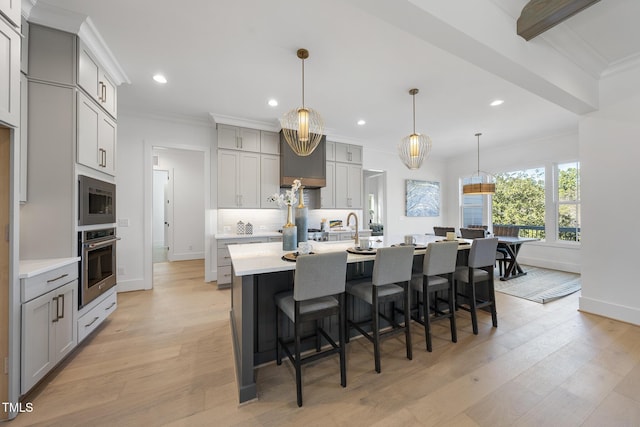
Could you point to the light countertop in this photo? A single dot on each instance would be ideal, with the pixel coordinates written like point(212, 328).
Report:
point(34, 267)
point(247, 236)
point(261, 258)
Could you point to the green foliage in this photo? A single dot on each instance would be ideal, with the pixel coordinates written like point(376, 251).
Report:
point(519, 198)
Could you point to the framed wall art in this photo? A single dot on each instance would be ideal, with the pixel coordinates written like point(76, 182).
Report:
point(423, 198)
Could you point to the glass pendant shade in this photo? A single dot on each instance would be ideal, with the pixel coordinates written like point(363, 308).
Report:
point(302, 127)
point(414, 148)
point(480, 182)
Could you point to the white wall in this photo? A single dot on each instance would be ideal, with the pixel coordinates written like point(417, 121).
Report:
point(186, 179)
point(519, 155)
point(610, 156)
point(136, 137)
point(397, 223)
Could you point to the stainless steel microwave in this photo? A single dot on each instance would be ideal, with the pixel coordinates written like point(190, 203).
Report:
point(97, 201)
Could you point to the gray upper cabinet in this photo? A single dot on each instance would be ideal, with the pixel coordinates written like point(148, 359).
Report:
point(11, 9)
point(348, 153)
point(269, 142)
point(96, 136)
point(237, 138)
point(9, 74)
point(95, 81)
point(52, 55)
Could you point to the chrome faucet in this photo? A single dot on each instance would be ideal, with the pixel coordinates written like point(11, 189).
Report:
point(357, 239)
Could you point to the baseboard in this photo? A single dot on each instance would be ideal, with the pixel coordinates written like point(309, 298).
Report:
point(551, 264)
point(610, 310)
point(187, 256)
point(132, 285)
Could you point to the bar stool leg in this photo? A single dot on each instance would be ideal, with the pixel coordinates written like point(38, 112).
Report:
point(298, 330)
point(407, 319)
point(341, 328)
point(375, 324)
point(426, 310)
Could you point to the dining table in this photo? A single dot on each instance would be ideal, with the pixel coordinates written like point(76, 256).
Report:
point(512, 246)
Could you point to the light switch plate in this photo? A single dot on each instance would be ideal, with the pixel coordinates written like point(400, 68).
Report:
point(124, 222)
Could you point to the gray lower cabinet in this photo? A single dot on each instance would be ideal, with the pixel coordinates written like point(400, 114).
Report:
point(224, 259)
point(49, 332)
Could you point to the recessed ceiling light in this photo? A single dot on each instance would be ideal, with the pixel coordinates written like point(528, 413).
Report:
point(362, 122)
point(273, 102)
point(497, 102)
point(160, 78)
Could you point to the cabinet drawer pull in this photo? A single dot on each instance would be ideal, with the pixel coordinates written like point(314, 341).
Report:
point(92, 322)
point(108, 308)
point(227, 275)
point(58, 278)
point(227, 257)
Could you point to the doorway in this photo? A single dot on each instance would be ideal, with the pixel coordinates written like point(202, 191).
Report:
point(374, 206)
point(177, 206)
point(161, 215)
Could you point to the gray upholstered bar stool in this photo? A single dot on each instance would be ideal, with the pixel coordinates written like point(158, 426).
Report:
point(391, 277)
point(437, 275)
point(482, 258)
point(318, 292)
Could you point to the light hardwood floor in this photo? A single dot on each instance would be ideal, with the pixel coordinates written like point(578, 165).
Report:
point(165, 358)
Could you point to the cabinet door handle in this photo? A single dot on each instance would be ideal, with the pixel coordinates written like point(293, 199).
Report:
point(237, 142)
point(104, 156)
point(104, 92)
point(61, 297)
point(55, 299)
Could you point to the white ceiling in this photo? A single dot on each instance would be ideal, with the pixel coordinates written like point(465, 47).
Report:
point(229, 57)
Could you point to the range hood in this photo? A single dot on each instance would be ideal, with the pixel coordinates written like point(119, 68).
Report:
point(311, 169)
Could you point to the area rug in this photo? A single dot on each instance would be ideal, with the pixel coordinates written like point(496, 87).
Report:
point(540, 284)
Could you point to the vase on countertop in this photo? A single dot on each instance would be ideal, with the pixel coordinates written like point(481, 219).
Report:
point(289, 232)
point(302, 217)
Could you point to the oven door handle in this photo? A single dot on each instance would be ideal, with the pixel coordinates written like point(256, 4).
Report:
point(101, 243)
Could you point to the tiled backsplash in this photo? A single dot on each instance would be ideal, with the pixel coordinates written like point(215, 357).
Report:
point(274, 219)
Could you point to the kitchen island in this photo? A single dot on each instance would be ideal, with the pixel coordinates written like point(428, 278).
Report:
point(259, 272)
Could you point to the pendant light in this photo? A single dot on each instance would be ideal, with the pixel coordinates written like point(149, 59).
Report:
point(302, 127)
point(415, 147)
point(481, 182)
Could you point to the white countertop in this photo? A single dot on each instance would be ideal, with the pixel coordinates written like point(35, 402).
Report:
point(247, 236)
point(258, 258)
point(33, 267)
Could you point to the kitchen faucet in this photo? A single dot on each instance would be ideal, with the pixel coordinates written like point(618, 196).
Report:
point(357, 239)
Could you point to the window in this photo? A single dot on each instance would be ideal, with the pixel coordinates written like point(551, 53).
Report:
point(568, 201)
point(473, 207)
point(520, 200)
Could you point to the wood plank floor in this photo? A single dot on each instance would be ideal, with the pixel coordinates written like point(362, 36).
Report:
point(165, 358)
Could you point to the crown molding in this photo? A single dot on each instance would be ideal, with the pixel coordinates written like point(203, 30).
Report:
point(628, 63)
point(39, 12)
point(244, 122)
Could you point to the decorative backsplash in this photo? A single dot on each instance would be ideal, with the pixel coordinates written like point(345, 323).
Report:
point(273, 219)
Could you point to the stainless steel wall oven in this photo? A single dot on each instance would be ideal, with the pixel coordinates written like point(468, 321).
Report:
point(98, 262)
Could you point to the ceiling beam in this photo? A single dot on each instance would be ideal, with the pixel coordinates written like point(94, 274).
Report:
point(540, 15)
